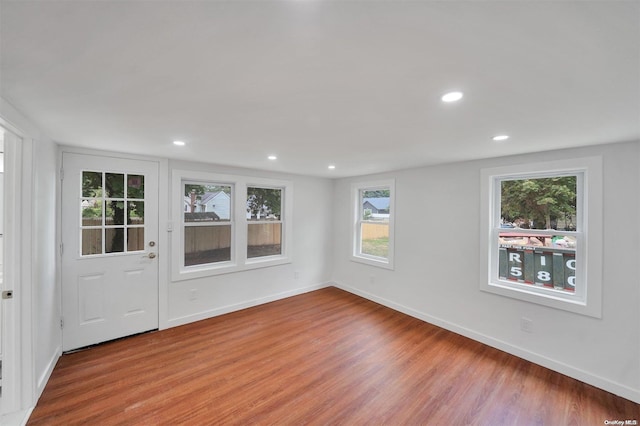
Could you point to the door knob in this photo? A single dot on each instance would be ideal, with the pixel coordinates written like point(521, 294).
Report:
point(152, 255)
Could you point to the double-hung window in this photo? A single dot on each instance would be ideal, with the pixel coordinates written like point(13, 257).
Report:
point(207, 222)
point(542, 233)
point(264, 217)
point(229, 223)
point(373, 226)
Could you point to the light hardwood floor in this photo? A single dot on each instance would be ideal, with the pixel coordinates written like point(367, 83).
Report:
point(325, 357)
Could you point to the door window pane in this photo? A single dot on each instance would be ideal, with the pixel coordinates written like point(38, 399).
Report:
point(114, 184)
point(91, 241)
point(135, 186)
point(114, 240)
point(135, 239)
point(135, 213)
point(91, 212)
point(114, 214)
point(91, 184)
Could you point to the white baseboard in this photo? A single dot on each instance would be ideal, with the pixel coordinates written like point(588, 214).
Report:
point(174, 322)
point(20, 418)
point(17, 418)
point(46, 374)
point(560, 367)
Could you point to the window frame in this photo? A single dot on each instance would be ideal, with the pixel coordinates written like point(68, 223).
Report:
point(231, 223)
point(239, 232)
point(587, 298)
point(357, 189)
point(257, 259)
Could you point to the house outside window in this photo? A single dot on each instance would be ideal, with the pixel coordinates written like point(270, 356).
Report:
point(373, 226)
point(542, 233)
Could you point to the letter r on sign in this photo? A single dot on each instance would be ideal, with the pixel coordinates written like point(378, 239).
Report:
point(514, 257)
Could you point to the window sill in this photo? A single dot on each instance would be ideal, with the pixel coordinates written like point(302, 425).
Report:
point(373, 261)
point(542, 296)
point(194, 272)
point(263, 262)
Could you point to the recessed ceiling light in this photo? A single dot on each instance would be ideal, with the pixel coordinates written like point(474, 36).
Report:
point(501, 138)
point(178, 143)
point(452, 97)
point(331, 167)
point(272, 157)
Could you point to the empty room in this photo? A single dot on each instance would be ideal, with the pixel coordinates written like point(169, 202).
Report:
point(319, 212)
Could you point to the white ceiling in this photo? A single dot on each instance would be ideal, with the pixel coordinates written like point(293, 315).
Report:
point(351, 83)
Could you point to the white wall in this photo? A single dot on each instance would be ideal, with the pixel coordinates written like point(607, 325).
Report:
point(436, 274)
point(311, 255)
point(46, 303)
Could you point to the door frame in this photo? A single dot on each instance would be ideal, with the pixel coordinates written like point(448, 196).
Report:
point(164, 226)
point(17, 334)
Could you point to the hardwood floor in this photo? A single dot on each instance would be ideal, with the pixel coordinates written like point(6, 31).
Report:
point(326, 357)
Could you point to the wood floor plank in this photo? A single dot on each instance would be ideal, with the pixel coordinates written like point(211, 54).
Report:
point(325, 357)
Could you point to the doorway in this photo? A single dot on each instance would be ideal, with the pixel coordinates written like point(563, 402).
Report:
point(1, 245)
point(109, 248)
point(10, 277)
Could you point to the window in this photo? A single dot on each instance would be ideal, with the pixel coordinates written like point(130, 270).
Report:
point(373, 223)
point(207, 223)
point(541, 218)
point(264, 216)
point(112, 217)
point(229, 223)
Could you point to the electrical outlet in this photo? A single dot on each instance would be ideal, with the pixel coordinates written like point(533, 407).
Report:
point(526, 325)
point(193, 294)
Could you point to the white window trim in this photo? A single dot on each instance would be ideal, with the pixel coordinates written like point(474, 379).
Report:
point(356, 256)
point(239, 223)
point(232, 223)
point(262, 259)
point(588, 298)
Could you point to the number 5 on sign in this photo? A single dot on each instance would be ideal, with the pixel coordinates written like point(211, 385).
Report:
point(515, 265)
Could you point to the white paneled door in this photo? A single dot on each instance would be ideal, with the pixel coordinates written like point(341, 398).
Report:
point(109, 248)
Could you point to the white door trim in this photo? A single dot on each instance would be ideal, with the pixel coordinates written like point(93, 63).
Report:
point(19, 361)
point(11, 308)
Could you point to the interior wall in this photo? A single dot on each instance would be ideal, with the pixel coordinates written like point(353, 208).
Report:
point(311, 255)
point(436, 276)
point(46, 304)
